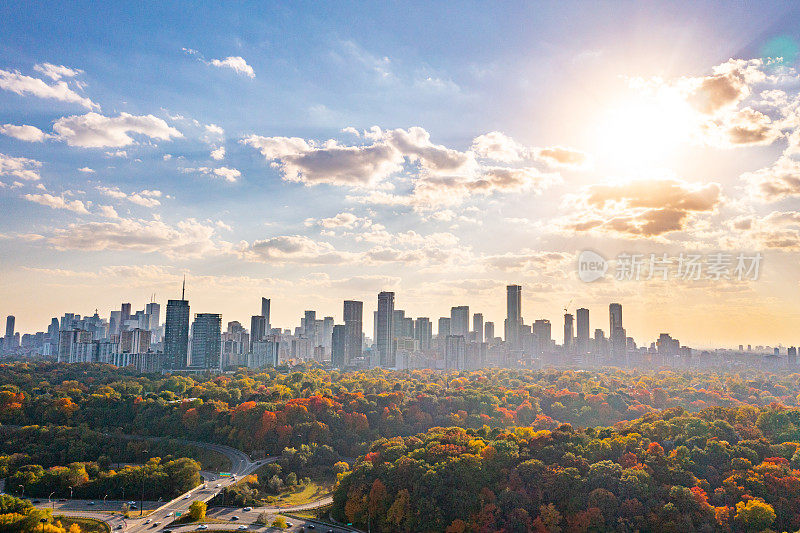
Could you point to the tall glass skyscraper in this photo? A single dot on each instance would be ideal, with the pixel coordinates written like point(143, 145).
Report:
point(176, 335)
point(206, 340)
point(384, 330)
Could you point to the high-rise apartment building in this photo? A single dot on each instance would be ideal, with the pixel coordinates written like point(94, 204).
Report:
point(443, 328)
point(258, 329)
point(459, 321)
point(488, 329)
point(207, 341)
point(353, 330)
point(265, 312)
point(338, 346)
point(513, 321)
point(477, 326)
point(569, 331)
point(582, 316)
point(423, 332)
point(176, 335)
point(384, 330)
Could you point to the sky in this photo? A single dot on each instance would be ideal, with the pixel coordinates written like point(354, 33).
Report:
point(315, 152)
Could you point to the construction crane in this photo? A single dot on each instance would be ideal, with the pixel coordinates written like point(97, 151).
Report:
point(566, 306)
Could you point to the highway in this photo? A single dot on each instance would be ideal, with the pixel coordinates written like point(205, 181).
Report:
point(164, 513)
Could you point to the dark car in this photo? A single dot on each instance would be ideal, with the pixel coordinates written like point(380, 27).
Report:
point(234, 517)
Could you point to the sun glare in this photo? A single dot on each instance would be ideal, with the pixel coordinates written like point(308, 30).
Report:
point(643, 132)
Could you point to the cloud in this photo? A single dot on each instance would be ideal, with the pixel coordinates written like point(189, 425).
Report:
point(57, 202)
point(779, 230)
point(304, 162)
point(94, 130)
point(642, 208)
point(56, 72)
point(294, 249)
point(108, 211)
point(235, 63)
point(24, 85)
point(187, 239)
point(529, 260)
point(19, 167)
point(228, 174)
point(498, 146)
point(218, 154)
point(213, 128)
point(23, 133)
point(560, 156)
point(144, 198)
point(340, 220)
point(730, 83)
point(775, 182)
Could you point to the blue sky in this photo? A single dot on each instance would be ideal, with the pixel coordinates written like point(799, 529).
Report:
point(428, 212)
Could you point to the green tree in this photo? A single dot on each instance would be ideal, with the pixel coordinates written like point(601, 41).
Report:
point(279, 522)
point(754, 515)
point(197, 511)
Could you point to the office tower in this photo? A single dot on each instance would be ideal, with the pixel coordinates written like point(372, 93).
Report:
point(513, 316)
point(384, 334)
point(477, 326)
point(206, 340)
point(614, 317)
point(423, 332)
point(444, 328)
point(114, 322)
point(488, 331)
point(338, 346)
point(569, 332)
point(583, 330)
point(543, 333)
point(134, 341)
point(10, 322)
point(600, 347)
point(398, 317)
point(258, 329)
point(616, 331)
point(265, 312)
point(353, 330)
point(153, 312)
point(125, 313)
point(455, 352)
point(310, 325)
point(459, 321)
point(327, 332)
point(176, 335)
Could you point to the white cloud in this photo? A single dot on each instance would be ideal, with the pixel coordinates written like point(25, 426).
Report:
point(144, 198)
point(94, 130)
point(213, 128)
point(187, 239)
point(23, 133)
point(229, 174)
point(57, 202)
point(235, 63)
point(118, 153)
point(108, 211)
point(56, 72)
point(294, 249)
point(87, 170)
point(19, 167)
point(22, 85)
point(218, 154)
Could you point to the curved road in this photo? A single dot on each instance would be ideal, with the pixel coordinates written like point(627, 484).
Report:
point(241, 465)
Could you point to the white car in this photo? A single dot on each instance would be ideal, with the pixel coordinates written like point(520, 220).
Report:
point(186, 497)
point(169, 514)
point(202, 526)
point(148, 520)
point(217, 485)
point(242, 527)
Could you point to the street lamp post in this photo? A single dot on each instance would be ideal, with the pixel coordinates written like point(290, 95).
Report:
point(141, 500)
point(49, 501)
point(43, 521)
point(70, 493)
point(22, 488)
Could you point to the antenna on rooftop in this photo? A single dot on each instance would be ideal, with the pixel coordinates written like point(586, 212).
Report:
point(183, 290)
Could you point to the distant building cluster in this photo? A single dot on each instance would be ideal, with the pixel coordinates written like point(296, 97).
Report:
point(463, 341)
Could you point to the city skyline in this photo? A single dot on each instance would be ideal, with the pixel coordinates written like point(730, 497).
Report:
point(318, 155)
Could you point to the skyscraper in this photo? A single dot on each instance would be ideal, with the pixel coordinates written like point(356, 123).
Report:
point(423, 332)
point(477, 326)
point(568, 331)
point(153, 312)
point(455, 352)
point(582, 316)
point(338, 345)
point(125, 314)
point(488, 331)
point(258, 329)
point(616, 331)
point(513, 316)
point(353, 330)
point(310, 325)
point(543, 333)
point(443, 329)
point(459, 321)
point(384, 333)
point(176, 335)
point(207, 340)
point(265, 312)
point(10, 322)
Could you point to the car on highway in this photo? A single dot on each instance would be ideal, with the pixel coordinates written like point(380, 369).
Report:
point(169, 514)
point(234, 517)
point(186, 497)
point(242, 527)
point(156, 523)
point(148, 520)
point(166, 531)
point(202, 526)
point(91, 503)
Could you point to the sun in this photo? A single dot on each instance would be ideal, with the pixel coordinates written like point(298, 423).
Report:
point(644, 131)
